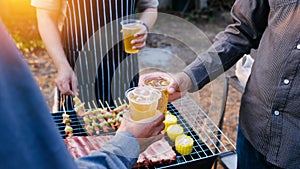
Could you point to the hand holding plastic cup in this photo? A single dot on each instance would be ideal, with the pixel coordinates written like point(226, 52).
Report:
point(129, 28)
point(143, 102)
point(161, 82)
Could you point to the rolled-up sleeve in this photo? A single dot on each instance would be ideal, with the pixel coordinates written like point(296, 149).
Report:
point(46, 4)
point(144, 4)
point(250, 21)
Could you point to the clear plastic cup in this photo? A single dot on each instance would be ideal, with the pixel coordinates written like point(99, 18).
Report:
point(129, 28)
point(161, 82)
point(143, 102)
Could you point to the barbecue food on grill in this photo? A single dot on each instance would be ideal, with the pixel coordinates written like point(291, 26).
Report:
point(99, 120)
point(173, 131)
point(184, 144)
point(80, 146)
point(66, 119)
point(69, 131)
point(156, 154)
point(78, 106)
point(169, 120)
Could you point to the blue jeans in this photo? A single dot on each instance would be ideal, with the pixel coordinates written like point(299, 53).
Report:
point(248, 156)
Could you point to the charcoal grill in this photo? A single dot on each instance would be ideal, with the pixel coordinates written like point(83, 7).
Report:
point(209, 141)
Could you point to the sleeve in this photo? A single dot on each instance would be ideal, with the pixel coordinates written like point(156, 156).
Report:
point(144, 4)
point(46, 4)
point(26, 119)
point(120, 152)
point(250, 20)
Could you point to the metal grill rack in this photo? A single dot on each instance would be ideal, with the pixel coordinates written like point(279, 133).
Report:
point(209, 140)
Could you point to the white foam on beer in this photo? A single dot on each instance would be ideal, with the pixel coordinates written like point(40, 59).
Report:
point(132, 26)
point(143, 96)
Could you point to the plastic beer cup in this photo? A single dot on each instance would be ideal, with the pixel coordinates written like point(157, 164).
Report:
point(161, 82)
point(142, 102)
point(129, 28)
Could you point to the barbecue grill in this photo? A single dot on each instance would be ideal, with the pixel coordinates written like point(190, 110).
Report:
point(209, 141)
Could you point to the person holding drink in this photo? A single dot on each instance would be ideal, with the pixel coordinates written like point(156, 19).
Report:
point(143, 102)
point(269, 121)
point(88, 54)
point(130, 28)
point(30, 138)
point(161, 82)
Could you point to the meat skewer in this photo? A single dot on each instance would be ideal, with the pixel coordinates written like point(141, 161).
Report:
point(103, 123)
point(93, 117)
point(67, 121)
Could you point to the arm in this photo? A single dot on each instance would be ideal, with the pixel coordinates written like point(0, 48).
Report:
point(250, 20)
point(120, 152)
point(148, 15)
point(123, 149)
point(47, 23)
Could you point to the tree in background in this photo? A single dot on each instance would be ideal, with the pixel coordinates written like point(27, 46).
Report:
point(20, 20)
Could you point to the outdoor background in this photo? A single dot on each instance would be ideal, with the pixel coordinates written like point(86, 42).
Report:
point(209, 16)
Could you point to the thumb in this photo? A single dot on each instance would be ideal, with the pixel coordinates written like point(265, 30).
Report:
point(173, 87)
point(74, 86)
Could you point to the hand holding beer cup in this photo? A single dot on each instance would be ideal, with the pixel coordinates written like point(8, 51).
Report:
point(143, 102)
point(161, 82)
point(134, 34)
point(179, 86)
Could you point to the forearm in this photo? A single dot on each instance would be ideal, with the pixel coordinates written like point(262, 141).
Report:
point(250, 21)
point(48, 28)
point(149, 16)
point(120, 152)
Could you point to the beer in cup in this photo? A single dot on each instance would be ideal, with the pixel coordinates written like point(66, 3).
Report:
point(129, 28)
point(161, 82)
point(142, 102)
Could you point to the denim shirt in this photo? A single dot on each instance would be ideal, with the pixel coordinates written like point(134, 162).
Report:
point(29, 136)
point(121, 152)
point(269, 112)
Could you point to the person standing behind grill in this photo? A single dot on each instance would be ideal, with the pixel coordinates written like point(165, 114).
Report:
point(269, 119)
point(30, 138)
point(88, 42)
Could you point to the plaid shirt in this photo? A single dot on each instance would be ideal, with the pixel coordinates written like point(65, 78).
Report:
point(270, 112)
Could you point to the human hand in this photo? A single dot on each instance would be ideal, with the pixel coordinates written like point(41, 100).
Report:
point(146, 131)
point(66, 81)
point(179, 86)
point(140, 38)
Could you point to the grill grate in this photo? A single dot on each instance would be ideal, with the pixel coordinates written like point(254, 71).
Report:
point(209, 140)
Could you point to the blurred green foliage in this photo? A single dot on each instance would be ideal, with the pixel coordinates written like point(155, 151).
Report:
point(19, 18)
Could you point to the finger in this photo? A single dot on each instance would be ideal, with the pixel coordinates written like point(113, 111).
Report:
point(158, 137)
point(175, 96)
point(139, 40)
point(173, 87)
point(66, 88)
point(139, 46)
point(74, 86)
point(160, 128)
point(142, 32)
point(60, 87)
